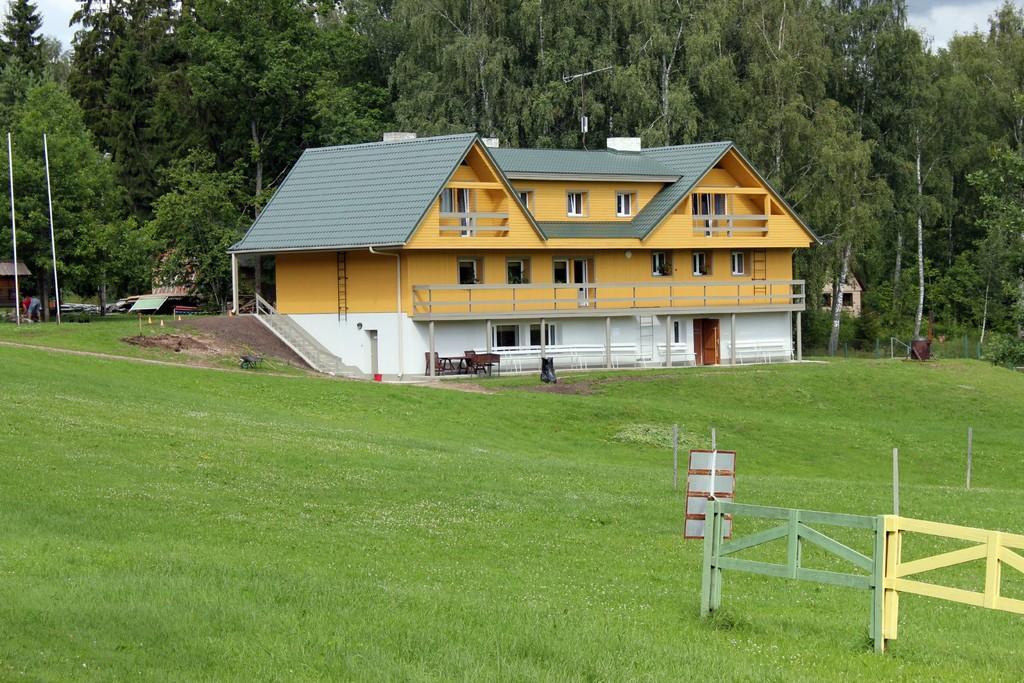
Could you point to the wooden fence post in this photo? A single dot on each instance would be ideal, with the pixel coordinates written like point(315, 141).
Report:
point(709, 551)
point(970, 454)
point(675, 457)
point(878, 587)
point(891, 606)
point(716, 571)
point(896, 481)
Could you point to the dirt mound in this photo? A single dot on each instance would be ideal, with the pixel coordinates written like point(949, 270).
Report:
point(239, 334)
point(179, 343)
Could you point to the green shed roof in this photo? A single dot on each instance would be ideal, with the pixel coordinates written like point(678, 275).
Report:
point(372, 194)
point(571, 162)
point(148, 303)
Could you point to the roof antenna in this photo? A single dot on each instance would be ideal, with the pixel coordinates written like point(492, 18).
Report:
point(584, 122)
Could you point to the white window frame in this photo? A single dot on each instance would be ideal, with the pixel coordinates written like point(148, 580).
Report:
point(700, 258)
point(524, 270)
point(628, 198)
point(459, 200)
point(497, 328)
point(476, 269)
point(526, 198)
point(666, 263)
point(568, 272)
point(706, 204)
point(551, 336)
point(743, 262)
point(581, 208)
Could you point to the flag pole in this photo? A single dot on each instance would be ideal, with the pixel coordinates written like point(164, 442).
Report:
point(14, 233)
point(53, 241)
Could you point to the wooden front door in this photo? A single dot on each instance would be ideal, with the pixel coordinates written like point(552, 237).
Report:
point(706, 341)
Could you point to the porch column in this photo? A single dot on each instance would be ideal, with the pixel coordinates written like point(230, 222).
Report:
point(543, 334)
point(799, 338)
point(668, 341)
point(234, 283)
point(488, 343)
point(431, 363)
point(732, 340)
point(608, 343)
point(258, 276)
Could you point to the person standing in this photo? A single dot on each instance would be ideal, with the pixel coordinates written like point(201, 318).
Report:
point(35, 308)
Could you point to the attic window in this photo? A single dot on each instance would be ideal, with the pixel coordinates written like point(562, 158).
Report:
point(624, 203)
point(526, 197)
point(576, 203)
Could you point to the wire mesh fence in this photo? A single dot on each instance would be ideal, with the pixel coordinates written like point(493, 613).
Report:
point(942, 347)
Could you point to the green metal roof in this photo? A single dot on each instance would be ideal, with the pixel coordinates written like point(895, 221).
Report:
point(578, 163)
point(376, 194)
point(582, 229)
point(372, 194)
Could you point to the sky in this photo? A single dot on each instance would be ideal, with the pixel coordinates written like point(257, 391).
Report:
point(939, 19)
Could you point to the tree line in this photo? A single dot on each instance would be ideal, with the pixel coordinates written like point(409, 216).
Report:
point(171, 123)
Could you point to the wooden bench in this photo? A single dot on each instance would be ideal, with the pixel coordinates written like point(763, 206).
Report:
point(249, 361)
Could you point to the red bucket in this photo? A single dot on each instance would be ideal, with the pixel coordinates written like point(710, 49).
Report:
point(378, 378)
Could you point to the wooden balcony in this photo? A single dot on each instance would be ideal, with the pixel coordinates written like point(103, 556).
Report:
point(717, 225)
point(468, 302)
point(471, 223)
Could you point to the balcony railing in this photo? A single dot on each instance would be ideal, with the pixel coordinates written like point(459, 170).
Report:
point(729, 224)
point(461, 301)
point(469, 223)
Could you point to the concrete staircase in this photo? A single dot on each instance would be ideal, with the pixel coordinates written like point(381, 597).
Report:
point(301, 342)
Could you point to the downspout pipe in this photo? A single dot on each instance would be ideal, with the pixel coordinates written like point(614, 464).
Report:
point(398, 307)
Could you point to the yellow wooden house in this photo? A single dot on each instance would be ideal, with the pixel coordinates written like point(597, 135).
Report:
point(373, 257)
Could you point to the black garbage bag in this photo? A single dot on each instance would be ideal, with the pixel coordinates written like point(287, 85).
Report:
point(547, 371)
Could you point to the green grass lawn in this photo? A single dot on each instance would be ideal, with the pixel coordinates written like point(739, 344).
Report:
point(107, 334)
point(180, 524)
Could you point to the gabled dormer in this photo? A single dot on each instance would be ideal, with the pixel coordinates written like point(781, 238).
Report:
point(476, 207)
point(720, 201)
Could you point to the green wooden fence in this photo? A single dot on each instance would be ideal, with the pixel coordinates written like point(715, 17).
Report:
point(795, 529)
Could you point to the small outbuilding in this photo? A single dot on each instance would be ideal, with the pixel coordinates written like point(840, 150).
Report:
point(852, 291)
point(7, 293)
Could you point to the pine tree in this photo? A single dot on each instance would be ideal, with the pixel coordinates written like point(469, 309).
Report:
point(21, 38)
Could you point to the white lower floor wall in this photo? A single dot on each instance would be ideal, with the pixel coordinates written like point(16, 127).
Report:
point(371, 341)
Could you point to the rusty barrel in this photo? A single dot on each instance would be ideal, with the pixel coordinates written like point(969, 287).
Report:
point(921, 349)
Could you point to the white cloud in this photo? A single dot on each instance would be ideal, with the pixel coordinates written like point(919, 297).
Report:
point(942, 20)
point(56, 15)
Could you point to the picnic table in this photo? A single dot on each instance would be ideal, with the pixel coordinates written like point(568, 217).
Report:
point(469, 362)
point(456, 364)
point(482, 362)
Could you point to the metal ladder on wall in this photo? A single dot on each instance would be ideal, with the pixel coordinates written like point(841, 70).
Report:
point(760, 268)
point(342, 286)
point(645, 350)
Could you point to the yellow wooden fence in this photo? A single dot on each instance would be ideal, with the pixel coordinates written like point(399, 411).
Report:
point(995, 547)
point(886, 574)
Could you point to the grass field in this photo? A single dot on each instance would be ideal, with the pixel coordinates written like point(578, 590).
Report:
point(107, 335)
point(172, 523)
